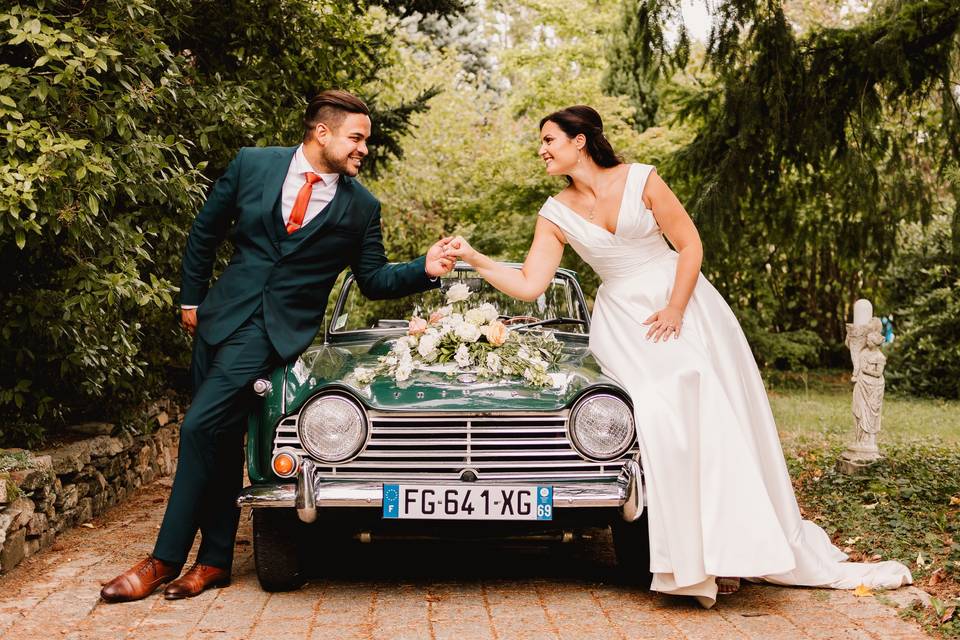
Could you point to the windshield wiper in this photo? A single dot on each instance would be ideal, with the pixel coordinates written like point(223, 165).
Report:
point(549, 321)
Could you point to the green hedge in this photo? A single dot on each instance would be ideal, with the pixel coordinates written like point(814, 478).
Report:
point(116, 115)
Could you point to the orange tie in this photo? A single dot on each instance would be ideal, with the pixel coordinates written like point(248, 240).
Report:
point(300, 204)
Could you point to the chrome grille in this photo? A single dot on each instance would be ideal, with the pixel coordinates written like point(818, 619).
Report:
point(424, 447)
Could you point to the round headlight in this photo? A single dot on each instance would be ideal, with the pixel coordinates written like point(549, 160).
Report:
point(601, 427)
point(332, 428)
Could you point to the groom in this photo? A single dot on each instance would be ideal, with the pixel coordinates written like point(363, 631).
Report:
point(296, 219)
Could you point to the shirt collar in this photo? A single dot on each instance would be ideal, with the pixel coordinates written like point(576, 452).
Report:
point(301, 166)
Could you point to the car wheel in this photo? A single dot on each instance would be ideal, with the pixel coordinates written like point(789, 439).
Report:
point(277, 549)
point(631, 541)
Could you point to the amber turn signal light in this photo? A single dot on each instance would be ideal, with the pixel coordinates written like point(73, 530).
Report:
point(284, 464)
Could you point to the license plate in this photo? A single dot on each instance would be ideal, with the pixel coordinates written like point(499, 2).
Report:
point(461, 502)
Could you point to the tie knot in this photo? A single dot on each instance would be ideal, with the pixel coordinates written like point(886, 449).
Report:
point(312, 177)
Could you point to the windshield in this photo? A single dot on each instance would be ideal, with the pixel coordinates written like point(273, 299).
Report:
point(559, 308)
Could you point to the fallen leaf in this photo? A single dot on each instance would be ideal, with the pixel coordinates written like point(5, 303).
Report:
point(948, 615)
point(876, 556)
point(852, 540)
point(955, 500)
point(862, 591)
point(936, 577)
point(871, 506)
point(88, 525)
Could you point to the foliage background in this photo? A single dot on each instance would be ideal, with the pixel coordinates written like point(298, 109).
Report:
point(814, 142)
point(116, 117)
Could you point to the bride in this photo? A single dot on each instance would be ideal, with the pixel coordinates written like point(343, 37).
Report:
point(719, 497)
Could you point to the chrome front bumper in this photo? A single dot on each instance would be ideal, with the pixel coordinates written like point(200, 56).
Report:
point(309, 493)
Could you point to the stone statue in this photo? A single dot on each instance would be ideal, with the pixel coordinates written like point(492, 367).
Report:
point(864, 340)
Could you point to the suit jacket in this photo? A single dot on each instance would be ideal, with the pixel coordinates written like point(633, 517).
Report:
point(291, 277)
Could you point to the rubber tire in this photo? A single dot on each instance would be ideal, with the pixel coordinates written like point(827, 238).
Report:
point(631, 541)
point(278, 549)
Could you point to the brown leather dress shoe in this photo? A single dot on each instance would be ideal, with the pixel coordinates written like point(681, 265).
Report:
point(195, 581)
point(139, 581)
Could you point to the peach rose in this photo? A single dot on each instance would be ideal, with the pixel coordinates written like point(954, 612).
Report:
point(496, 333)
point(417, 326)
point(436, 317)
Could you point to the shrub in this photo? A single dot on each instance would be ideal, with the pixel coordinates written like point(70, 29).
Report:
point(116, 117)
point(924, 286)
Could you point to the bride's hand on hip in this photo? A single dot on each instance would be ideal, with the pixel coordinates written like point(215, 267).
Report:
point(663, 323)
point(458, 247)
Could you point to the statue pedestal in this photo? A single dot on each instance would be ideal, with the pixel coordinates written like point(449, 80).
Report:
point(857, 459)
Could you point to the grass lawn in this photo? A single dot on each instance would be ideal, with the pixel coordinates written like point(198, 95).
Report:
point(906, 507)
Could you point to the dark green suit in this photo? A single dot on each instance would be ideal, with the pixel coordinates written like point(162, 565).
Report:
point(265, 309)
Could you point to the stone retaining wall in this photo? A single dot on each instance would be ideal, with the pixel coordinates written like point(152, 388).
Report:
point(68, 485)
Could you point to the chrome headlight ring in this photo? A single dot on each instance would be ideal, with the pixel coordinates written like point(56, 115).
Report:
point(601, 427)
point(333, 428)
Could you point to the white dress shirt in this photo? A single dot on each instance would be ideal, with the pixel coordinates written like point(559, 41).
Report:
point(323, 191)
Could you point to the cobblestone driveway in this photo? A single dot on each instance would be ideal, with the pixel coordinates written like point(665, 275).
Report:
point(406, 591)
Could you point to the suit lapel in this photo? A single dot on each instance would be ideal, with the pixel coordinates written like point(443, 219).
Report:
point(330, 217)
point(273, 177)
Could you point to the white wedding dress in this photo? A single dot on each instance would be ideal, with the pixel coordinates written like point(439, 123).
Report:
point(719, 498)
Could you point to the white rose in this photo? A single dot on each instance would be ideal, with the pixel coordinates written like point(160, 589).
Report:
point(468, 332)
point(430, 356)
point(462, 356)
point(493, 362)
point(458, 293)
point(403, 372)
point(476, 317)
point(489, 311)
point(428, 343)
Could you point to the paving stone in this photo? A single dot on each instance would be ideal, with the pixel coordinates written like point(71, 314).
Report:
point(53, 595)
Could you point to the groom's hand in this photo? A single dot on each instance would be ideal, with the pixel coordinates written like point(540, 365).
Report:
point(438, 263)
point(188, 318)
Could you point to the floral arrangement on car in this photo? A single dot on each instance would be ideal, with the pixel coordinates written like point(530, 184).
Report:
point(467, 340)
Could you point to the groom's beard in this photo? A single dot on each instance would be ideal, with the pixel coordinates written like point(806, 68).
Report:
point(341, 165)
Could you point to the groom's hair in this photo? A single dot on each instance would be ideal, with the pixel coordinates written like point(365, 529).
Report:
point(331, 107)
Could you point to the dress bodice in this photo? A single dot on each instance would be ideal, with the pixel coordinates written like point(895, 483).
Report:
point(637, 239)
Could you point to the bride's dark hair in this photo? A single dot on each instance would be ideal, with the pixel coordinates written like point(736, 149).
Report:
point(583, 119)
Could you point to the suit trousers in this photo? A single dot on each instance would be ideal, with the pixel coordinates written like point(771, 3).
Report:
point(210, 461)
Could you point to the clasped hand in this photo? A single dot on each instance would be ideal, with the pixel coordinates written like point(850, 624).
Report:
point(438, 262)
point(458, 247)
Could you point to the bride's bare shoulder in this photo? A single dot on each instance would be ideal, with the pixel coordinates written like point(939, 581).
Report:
point(564, 196)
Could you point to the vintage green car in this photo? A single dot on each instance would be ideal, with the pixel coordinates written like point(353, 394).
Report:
point(441, 454)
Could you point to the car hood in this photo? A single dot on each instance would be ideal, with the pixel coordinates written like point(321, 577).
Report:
point(329, 366)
